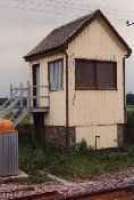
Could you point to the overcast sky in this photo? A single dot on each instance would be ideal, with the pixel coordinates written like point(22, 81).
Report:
point(23, 23)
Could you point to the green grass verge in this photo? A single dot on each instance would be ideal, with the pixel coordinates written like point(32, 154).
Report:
point(130, 108)
point(73, 166)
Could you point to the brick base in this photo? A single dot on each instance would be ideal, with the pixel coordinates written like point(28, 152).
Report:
point(121, 135)
point(56, 135)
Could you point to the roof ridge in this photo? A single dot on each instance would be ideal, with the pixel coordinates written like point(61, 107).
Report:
point(85, 19)
point(73, 21)
point(63, 26)
point(59, 37)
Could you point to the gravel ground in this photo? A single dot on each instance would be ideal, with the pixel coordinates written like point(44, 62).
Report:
point(107, 182)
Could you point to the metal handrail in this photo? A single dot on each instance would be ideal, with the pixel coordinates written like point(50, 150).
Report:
point(26, 88)
point(32, 97)
point(22, 100)
point(40, 86)
point(19, 93)
point(6, 103)
point(40, 96)
point(5, 111)
point(18, 89)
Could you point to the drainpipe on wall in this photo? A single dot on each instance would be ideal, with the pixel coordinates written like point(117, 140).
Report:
point(122, 133)
point(124, 81)
point(67, 104)
point(124, 86)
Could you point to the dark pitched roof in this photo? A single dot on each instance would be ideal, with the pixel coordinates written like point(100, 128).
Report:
point(58, 38)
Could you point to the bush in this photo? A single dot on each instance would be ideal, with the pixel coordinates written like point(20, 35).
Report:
point(82, 147)
point(130, 119)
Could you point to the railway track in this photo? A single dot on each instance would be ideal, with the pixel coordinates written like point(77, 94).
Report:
point(36, 196)
point(127, 194)
point(43, 196)
point(60, 192)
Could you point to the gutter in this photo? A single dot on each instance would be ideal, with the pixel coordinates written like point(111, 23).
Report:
point(42, 54)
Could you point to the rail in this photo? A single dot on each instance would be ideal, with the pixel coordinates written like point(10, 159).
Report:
point(29, 193)
point(28, 96)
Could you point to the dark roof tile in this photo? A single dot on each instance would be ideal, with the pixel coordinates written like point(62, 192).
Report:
point(60, 36)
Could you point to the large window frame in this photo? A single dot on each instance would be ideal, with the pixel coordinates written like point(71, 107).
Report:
point(54, 62)
point(96, 86)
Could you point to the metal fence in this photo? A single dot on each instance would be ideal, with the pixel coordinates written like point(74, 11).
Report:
point(9, 154)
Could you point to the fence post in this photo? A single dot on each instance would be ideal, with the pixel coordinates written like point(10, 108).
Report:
point(11, 91)
point(29, 97)
point(21, 95)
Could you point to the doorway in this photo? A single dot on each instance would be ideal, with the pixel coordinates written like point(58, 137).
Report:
point(36, 85)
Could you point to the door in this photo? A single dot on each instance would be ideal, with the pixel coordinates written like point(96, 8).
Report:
point(36, 84)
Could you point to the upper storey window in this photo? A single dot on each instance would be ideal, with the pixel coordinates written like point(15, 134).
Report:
point(95, 75)
point(56, 75)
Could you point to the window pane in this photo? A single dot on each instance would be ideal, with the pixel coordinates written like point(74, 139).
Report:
point(51, 75)
point(106, 75)
point(85, 74)
point(60, 79)
point(56, 75)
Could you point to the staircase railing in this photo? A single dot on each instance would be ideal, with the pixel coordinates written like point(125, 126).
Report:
point(27, 93)
point(42, 98)
point(21, 101)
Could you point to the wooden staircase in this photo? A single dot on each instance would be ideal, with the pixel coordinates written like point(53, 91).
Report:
point(21, 102)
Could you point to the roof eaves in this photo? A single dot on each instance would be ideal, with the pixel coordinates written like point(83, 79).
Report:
point(88, 20)
point(116, 33)
point(41, 54)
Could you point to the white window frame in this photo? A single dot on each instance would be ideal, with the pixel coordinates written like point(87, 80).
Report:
point(55, 70)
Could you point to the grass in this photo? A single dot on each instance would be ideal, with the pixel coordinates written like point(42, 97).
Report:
point(130, 108)
point(79, 164)
point(130, 116)
point(37, 162)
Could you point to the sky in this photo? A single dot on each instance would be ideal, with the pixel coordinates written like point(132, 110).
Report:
point(23, 23)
